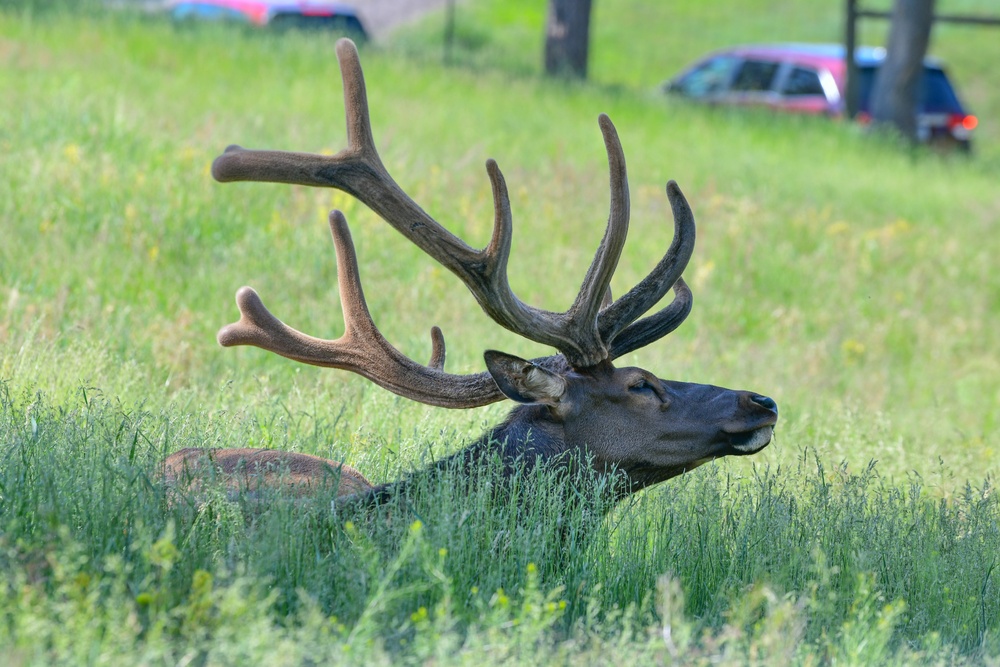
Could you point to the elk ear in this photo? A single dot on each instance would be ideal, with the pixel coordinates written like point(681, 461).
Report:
point(524, 382)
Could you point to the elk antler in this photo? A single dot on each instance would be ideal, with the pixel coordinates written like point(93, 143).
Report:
point(362, 349)
point(589, 332)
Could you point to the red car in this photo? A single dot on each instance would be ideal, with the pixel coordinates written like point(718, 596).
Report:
point(303, 14)
point(810, 78)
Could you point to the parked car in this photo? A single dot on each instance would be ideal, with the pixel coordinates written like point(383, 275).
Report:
point(302, 14)
point(810, 78)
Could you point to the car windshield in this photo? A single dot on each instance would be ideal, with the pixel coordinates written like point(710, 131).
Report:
point(936, 94)
point(709, 77)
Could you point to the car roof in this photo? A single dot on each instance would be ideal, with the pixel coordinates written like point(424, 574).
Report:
point(827, 55)
point(304, 6)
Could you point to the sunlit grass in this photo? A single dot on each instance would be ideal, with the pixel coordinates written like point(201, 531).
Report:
point(848, 279)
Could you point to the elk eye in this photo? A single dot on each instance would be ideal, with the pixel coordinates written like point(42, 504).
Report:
point(642, 386)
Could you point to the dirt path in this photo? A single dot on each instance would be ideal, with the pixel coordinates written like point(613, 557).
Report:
point(381, 16)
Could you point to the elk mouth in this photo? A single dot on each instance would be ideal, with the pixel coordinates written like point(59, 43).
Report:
point(750, 442)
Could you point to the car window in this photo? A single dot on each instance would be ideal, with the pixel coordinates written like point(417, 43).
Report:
point(803, 81)
point(755, 75)
point(866, 79)
point(187, 10)
point(707, 78)
point(936, 94)
point(297, 21)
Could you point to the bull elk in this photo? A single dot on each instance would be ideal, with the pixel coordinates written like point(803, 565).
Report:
point(576, 401)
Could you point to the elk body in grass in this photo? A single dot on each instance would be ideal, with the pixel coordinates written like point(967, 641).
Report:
point(575, 402)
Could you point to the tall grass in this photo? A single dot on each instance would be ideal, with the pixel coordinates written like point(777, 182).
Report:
point(848, 563)
point(851, 281)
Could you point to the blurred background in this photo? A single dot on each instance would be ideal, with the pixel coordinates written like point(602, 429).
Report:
point(846, 266)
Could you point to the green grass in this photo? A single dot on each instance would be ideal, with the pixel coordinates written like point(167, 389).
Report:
point(852, 281)
point(802, 562)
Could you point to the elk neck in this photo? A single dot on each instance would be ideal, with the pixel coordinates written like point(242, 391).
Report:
point(527, 437)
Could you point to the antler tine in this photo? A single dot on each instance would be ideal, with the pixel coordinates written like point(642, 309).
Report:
point(438, 351)
point(654, 327)
point(362, 349)
point(596, 285)
point(357, 170)
point(619, 315)
point(359, 124)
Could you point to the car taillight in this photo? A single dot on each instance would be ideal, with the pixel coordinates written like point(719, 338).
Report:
point(961, 121)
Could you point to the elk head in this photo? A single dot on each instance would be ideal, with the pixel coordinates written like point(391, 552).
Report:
point(576, 400)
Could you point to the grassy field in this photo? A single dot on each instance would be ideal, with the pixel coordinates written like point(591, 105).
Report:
point(850, 279)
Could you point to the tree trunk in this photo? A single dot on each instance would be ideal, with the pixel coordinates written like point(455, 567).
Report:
point(894, 96)
point(567, 38)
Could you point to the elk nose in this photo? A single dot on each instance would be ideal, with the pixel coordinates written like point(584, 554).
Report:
point(765, 402)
